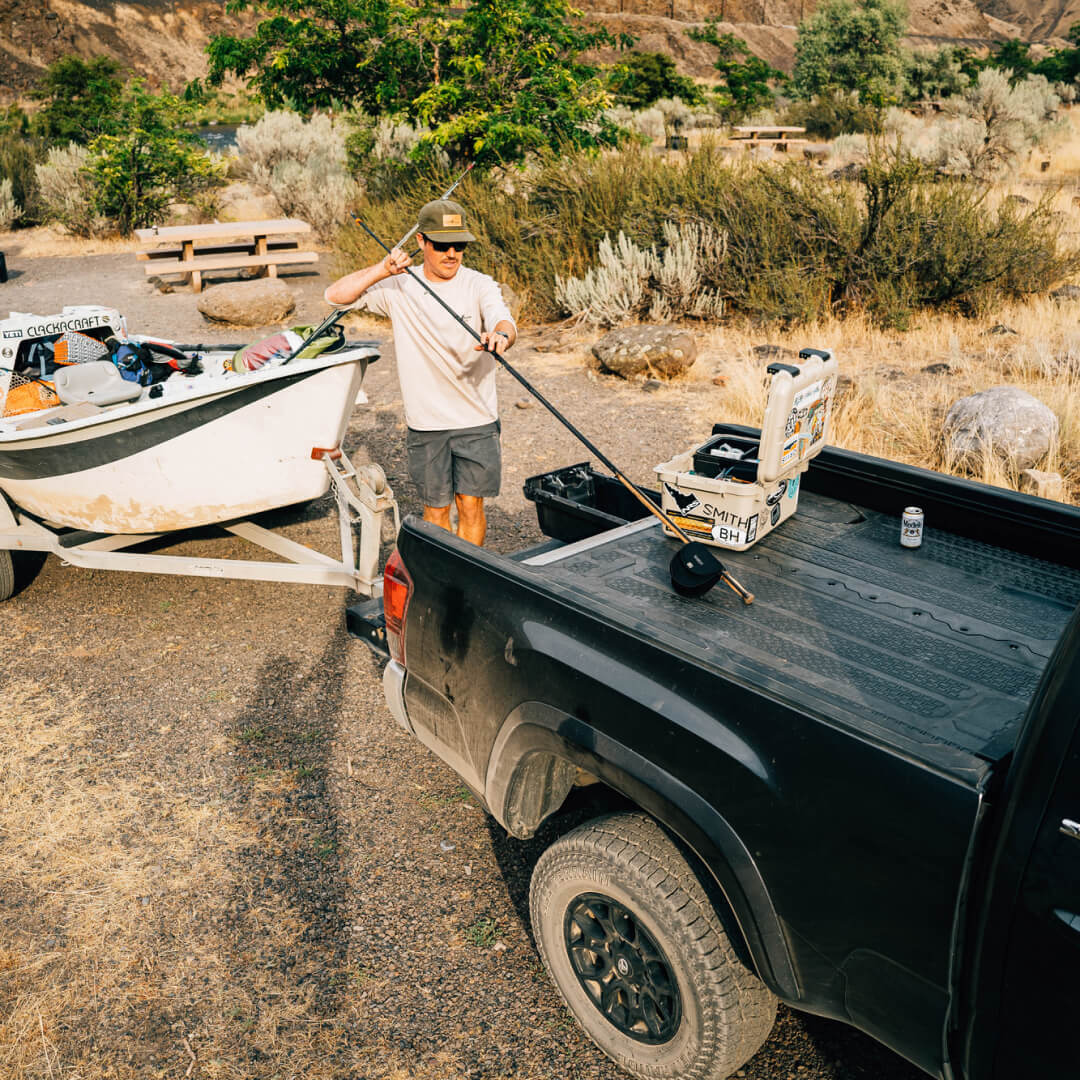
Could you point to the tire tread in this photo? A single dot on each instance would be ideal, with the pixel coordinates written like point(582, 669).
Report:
point(738, 1010)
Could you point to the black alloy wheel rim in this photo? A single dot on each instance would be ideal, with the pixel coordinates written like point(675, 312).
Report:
point(622, 969)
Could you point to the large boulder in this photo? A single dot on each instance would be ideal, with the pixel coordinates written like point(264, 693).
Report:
point(247, 303)
point(1005, 419)
point(660, 352)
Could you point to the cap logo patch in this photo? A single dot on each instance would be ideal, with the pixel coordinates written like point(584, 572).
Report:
point(451, 221)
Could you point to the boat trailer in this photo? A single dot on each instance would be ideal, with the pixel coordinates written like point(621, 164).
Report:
point(362, 495)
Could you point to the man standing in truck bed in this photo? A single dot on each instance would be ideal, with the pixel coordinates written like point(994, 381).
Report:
point(447, 381)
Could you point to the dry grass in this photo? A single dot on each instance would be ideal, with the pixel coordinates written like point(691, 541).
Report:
point(43, 241)
point(122, 954)
point(893, 407)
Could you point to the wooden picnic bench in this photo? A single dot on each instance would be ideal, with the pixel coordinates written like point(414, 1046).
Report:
point(768, 135)
point(232, 245)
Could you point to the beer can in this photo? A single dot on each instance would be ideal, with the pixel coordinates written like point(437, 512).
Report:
point(911, 527)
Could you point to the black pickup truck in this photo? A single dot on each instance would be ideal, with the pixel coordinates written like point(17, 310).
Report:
point(859, 795)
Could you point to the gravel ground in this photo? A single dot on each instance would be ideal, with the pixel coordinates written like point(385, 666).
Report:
point(355, 914)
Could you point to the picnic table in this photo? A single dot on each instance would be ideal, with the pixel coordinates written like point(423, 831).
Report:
point(193, 249)
point(776, 135)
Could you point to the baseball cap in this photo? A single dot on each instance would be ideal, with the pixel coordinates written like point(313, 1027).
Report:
point(444, 220)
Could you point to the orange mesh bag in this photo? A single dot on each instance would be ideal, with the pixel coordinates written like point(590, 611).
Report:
point(19, 395)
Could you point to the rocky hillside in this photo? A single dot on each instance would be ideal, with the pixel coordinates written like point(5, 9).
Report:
point(164, 39)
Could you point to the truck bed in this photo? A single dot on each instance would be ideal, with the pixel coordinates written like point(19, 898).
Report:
point(934, 652)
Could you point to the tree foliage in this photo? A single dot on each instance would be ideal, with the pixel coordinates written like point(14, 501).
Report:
point(79, 98)
point(1013, 56)
point(492, 82)
point(847, 45)
point(641, 78)
point(931, 74)
point(149, 160)
point(513, 83)
point(834, 113)
point(745, 78)
point(1062, 65)
point(314, 54)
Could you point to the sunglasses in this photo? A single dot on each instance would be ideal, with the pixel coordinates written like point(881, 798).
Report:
point(445, 245)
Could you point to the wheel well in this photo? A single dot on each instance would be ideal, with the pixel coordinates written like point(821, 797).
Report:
point(545, 785)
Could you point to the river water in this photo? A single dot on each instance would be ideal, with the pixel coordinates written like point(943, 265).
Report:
point(220, 137)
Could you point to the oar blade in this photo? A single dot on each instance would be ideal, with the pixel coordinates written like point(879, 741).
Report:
point(695, 570)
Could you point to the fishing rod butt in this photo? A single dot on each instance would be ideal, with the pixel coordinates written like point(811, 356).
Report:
point(743, 593)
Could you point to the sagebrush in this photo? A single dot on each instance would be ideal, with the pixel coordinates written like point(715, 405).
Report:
point(67, 191)
point(799, 246)
point(303, 164)
point(10, 210)
point(633, 282)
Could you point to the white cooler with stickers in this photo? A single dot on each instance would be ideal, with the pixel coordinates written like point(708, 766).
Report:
point(731, 491)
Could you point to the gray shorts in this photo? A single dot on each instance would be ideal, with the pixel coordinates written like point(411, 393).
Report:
point(467, 461)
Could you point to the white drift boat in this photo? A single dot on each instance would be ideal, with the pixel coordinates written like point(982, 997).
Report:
point(94, 467)
point(208, 448)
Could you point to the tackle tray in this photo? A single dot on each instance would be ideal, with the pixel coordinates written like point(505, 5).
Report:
point(726, 454)
point(576, 502)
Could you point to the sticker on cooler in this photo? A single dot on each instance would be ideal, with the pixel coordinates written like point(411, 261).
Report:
point(807, 420)
point(733, 535)
point(691, 525)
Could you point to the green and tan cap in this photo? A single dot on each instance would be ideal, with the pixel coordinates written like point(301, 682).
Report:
point(444, 220)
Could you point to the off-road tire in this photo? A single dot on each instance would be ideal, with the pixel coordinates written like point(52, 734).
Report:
point(725, 1012)
point(7, 576)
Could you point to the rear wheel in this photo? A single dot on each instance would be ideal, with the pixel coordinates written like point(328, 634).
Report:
point(7, 576)
point(640, 956)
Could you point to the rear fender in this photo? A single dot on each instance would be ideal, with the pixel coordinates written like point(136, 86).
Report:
point(533, 765)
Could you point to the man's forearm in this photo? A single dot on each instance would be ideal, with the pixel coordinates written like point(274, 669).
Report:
point(351, 287)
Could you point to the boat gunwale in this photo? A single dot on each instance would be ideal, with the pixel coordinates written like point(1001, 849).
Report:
point(227, 385)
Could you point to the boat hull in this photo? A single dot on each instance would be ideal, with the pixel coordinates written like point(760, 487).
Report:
point(185, 463)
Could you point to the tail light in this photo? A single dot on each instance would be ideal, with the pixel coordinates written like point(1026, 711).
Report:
point(397, 590)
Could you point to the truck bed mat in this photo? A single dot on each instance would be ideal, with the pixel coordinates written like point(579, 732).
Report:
point(935, 650)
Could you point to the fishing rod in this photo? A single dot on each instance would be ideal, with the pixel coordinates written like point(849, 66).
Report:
point(333, 317)
point(694, 568)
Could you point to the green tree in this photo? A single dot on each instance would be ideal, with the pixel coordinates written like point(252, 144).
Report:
point(80, 99)
point(150, 161)
point(1013, 55)
point(745, 78)
point(644, 77)
point(513, 84)
point(852, 46)
point(934, 73)
point(1062, 65)
point(314, 54)
point(494, 81)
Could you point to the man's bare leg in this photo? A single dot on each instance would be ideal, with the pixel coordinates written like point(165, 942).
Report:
point(438, 515)
point(472, 523)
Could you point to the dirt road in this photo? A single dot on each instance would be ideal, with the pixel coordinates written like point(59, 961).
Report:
point(221, 858)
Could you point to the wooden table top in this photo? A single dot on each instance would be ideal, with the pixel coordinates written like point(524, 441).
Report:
point(770, 130)
point(226, 230)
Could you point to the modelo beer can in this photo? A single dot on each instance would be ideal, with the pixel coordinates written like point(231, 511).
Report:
point(911, 526)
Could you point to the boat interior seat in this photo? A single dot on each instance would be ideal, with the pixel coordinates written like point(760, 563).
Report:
point(97, 382)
